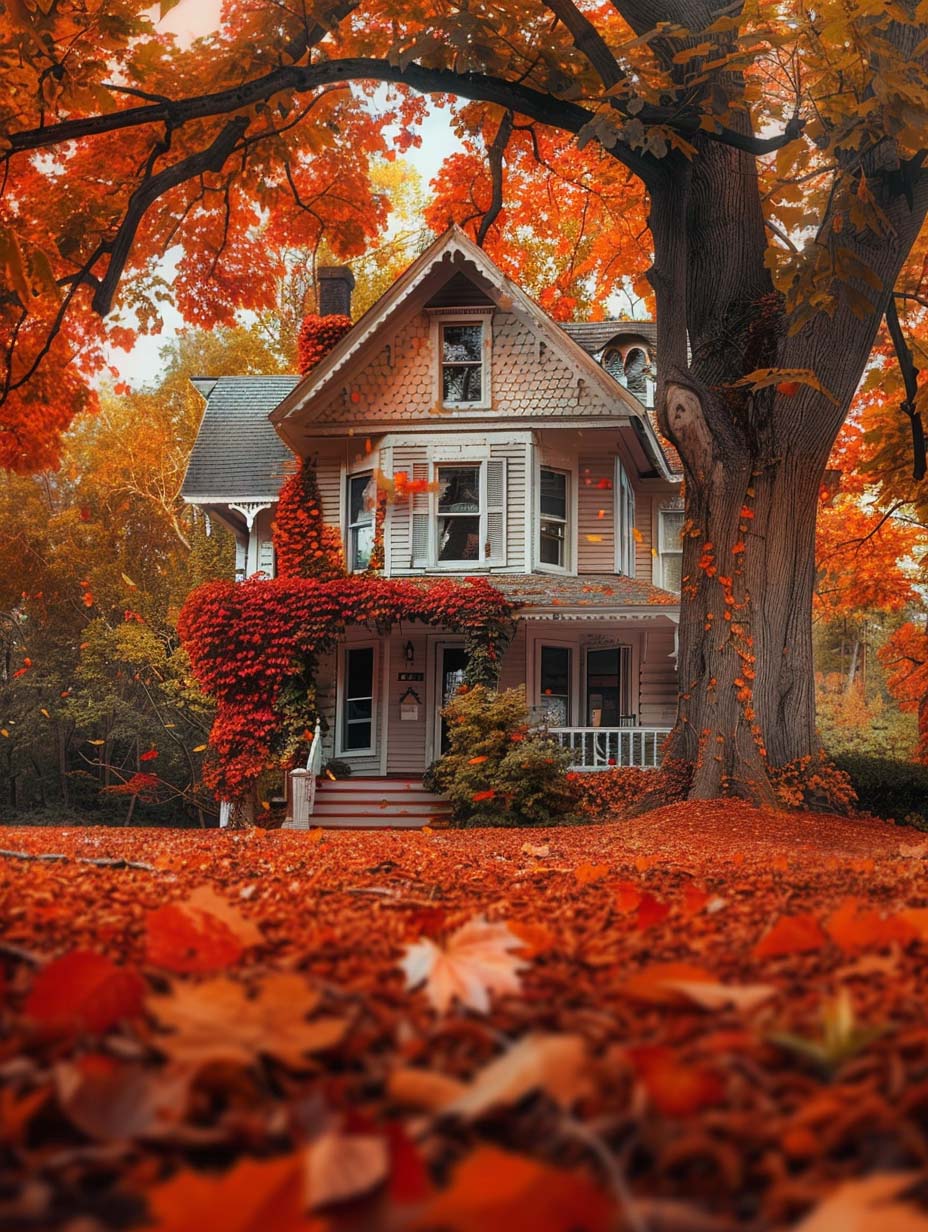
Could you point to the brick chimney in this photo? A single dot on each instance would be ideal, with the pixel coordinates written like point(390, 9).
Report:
point(336, 282)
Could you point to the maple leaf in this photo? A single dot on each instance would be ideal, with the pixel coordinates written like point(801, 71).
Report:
point(854, 928)
point(555, 1064)
point(497, 1191)
point(251, 1197)
point(84, 991)
point(201, 934)
point(217, 1021)
point(474, 962)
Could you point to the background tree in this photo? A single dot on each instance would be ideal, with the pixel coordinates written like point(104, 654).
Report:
point(761, 345)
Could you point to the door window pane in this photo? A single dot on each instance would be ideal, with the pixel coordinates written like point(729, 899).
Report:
point(554, 685)
point(462, 363)
point(359, 698)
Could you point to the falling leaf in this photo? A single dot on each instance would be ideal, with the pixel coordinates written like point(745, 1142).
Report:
point(474, 962)
point(200, 748)
point(84, 991)
point(201, 934)
point(340, 1167)
point(539, 851)
point(653, 985)
point(217, 1021)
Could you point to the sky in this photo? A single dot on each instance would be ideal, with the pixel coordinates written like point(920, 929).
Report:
point(188, 20)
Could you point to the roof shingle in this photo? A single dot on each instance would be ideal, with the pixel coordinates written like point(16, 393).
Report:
point(238, 454)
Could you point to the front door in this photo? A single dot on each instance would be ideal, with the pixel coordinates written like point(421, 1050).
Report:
point(607, 687)
point(451, 662)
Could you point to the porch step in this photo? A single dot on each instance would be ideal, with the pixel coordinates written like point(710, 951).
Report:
point(377, 803)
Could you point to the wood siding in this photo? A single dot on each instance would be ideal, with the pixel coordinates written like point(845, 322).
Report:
point(595, 534)
point(406, 739)
point(658, 678)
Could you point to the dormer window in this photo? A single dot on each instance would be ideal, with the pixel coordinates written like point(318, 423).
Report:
point(630, 365)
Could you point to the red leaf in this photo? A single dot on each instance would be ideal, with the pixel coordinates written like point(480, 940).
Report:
point(83, 991)
point(675, 1088)
point(792, 934)
point(149, 756)
point(202, 934)
point(651, 911)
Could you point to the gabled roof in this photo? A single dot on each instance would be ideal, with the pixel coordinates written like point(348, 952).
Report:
point(453, 251)
point(237, 454)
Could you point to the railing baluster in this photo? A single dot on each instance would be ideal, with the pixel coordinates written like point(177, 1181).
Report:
point(592, 748)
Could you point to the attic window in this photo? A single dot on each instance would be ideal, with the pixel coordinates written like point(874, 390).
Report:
point(462, 362)
point(461, 343)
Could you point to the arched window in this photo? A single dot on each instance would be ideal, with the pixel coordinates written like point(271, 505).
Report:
point(636, 365)
point(615, 365)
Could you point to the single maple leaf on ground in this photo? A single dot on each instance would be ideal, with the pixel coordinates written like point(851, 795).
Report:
point(201, 934)
point(341, 1167)
point(84, 991)
point(676, 1088)
point(474, 962)
point(218, 1021)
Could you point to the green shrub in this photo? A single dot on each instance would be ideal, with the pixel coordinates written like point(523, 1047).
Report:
point(897, 790)
point(497, 772)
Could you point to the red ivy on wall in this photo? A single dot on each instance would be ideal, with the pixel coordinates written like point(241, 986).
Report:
point(305, 546)
point(317, 337)
point(254, 646)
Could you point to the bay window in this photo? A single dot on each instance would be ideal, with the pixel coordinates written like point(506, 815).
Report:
point(459, 512)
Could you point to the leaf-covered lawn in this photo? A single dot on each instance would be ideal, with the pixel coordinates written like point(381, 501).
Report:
point(709, 1017)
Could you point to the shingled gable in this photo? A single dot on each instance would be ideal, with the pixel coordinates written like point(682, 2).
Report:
point(448, 257)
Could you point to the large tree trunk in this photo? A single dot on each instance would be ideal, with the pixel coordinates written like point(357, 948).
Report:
point(747, 697)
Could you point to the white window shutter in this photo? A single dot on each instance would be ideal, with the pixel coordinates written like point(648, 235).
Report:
point(421, 521)
point(496, 511)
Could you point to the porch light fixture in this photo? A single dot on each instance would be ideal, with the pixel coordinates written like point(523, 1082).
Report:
point(409, 652)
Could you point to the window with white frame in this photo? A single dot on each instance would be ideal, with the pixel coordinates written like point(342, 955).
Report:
point(670, 541)
point(463, 352)
point(469, 512)
point(624, 522)
point(358, 703)
point(553, 520)
point(361, 503)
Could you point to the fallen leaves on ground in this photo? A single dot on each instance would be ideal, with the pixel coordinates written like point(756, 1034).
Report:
point(706, 1018)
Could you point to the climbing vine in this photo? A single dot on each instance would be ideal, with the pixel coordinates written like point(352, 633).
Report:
point(254, 648)
point(306, 547)
point(317, 337)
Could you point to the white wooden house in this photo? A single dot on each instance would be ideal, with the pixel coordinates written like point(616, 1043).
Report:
point(549, 480)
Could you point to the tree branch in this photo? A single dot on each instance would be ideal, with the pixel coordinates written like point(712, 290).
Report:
point(495, 158)
point(588, 40)
point(910, 380)
point(210, 159)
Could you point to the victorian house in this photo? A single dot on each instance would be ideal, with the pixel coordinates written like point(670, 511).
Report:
point(544, 474)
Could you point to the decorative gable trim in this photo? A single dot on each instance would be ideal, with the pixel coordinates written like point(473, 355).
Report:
point(509, 297)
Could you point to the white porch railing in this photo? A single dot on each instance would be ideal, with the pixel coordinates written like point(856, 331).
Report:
point(303, 787)
point(600, 748)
